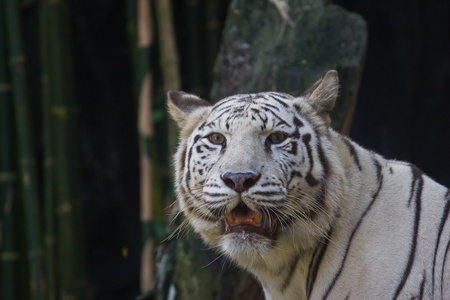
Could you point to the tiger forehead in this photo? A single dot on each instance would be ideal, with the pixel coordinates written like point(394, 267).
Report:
point(273, 98)
point(269, 109)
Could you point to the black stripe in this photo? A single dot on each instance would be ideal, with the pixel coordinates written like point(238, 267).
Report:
point(188, 166)
point(296, 133)
point(444, 219)
point(272, 204)
point(260, 115)
point(279, 100)
point(443, 267)
point(196, 138)
point(416, 173)
point(319, 200)
point(188, 171)
point(182, 160)
point(323, 161)
point(199, 149)
point(259, 96)
point(208, 147)
point(270, 183)
point(352, 151)
point(215, 194)
point(422, 286)
point(314, 265)
point(262, 193)
point(209, 124)
point(282, 95)
point(374, 197)
point(190, 206)
point(222, 102)
point(284, 168)
point(281, 121)
point(270, 105)
point(293, 174)
point(297, 122)
point(309, 177)
point(418, 186)
point(288, 279)
point(202, 126)
point(293, 150)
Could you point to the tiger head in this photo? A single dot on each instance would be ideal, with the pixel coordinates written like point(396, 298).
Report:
point(252, 172)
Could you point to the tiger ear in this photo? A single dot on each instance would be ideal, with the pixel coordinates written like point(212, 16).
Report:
point(322, 95)
point(181, 105)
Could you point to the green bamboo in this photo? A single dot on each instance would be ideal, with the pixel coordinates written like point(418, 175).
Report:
point(213, 35)
point(141, 36)
point(9, 249)
point(170, 65)
point(72, 280)
point(194, 57)
point(27, 164)
point(48, 149)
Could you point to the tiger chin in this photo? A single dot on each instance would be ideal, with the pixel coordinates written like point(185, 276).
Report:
point(311, 214)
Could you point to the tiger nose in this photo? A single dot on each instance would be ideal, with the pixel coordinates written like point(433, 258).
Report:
point(240, 182)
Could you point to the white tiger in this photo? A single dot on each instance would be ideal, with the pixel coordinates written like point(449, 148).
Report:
point(264, 179)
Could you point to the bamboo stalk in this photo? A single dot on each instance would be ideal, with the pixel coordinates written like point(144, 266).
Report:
point(168, 46)
point(194, 50)
point(145, 128)
point(49, 162)
point(152, 217)
point(64, 206)
point(9, 249)
point(73, 283)
point(27, 165)
point(150, 178)
point(169, 59)
point(212, 36)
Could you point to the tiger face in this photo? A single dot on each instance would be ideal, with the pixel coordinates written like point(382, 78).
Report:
point(251, 174)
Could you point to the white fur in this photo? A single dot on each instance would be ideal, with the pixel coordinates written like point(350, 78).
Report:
point(367, 223)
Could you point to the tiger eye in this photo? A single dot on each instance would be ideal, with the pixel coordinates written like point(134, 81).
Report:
point(276, 138)
point(216, 138)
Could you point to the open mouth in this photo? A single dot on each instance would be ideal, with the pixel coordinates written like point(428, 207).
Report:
point(243, 219)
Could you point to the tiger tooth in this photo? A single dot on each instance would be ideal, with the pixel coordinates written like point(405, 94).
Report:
point(230, 218)
point(257, 218)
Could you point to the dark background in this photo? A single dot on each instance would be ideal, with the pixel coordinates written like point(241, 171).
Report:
point(402, 110)
point(403, 106)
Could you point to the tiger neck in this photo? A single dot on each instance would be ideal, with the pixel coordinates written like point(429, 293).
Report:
point(285, 275)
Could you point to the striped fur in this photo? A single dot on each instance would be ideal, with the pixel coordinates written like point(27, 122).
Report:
point(341, 222)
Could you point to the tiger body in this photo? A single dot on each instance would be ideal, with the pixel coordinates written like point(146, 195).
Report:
point(310, 213)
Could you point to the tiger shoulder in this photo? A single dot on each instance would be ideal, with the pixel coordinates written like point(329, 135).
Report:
point(266, 181)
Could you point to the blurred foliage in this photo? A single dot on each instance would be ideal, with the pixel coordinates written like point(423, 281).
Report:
point(43, 214)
